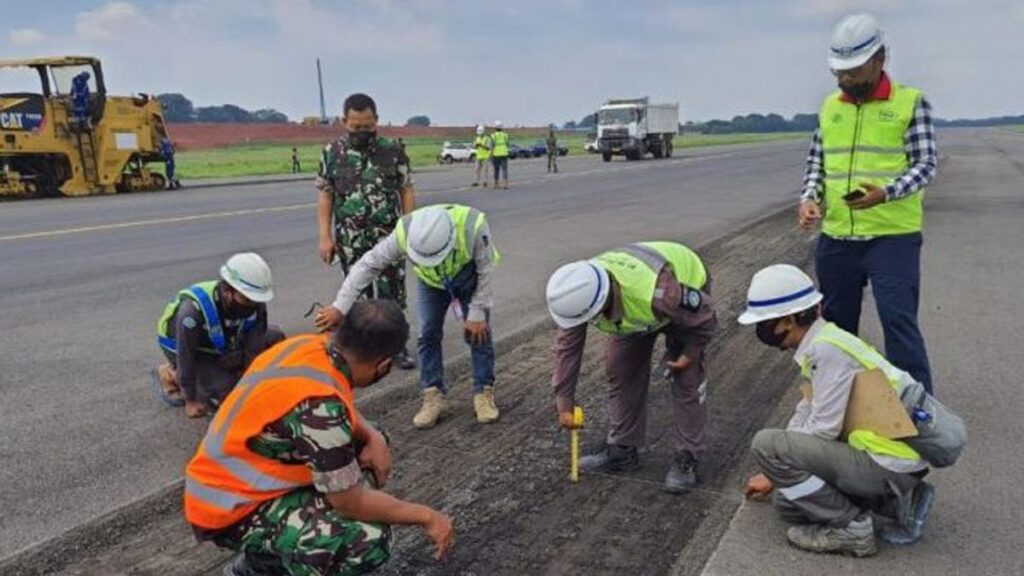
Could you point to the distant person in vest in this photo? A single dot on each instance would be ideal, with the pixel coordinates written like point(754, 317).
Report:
point(453, 256)
point(211, 331)
point(828, 485)
point(872, 155)
point(289, 473)
point(482, 148)
point(635, 294)
point(500, 151)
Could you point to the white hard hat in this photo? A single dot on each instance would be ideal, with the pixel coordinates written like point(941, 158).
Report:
point(577, 292)
point(249, 274)
point(431, 236)
point(777, 291)
point(479, 130)
point(497, 123)
point(855, 39)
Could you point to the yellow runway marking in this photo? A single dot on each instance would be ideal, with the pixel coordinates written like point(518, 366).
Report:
point(138, 223)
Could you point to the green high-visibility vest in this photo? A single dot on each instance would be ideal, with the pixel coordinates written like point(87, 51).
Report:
point(203, 294)
point(864, 144)
point(468, 222)
point(500, 140)
point(870, 359)
point(483, 151)
point(635, 269)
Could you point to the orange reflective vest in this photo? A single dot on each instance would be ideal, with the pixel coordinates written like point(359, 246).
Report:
point(226, 481)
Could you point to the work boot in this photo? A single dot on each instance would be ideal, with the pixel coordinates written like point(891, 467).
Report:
point(857, 538)
point(475, 184)
point(430, 411)
point(483, 403)
point(613, 458)
point(485, 184)
point(921, 500)
point(403, 360)
point(682, 476)
point(249, 564)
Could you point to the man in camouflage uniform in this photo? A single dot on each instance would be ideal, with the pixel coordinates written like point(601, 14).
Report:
point(365, 186)
point(323, 529)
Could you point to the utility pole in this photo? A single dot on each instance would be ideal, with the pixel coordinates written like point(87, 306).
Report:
point(320, 81)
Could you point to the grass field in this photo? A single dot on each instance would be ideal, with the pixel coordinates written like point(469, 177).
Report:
point(275, 158)
point(1017, 127)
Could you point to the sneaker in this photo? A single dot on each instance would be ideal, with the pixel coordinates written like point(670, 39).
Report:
point(249, 564)
point(485, 184)
point(682, 476)
point(613, 458)
point(403, 360)
point(475, 184)
point(921, 500)
point(483, 403)
point(430, 411)
point(856, 539)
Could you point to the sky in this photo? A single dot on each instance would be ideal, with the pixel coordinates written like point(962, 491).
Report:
point(525, 62)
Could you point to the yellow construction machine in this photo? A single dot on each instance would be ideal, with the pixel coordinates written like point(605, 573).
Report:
point(72, 138)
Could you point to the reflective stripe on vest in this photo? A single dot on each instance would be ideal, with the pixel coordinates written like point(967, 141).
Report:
point(203, 295)
point(635, 269)
point(500, 140)
point(225, 481)
point(468, 222)
point(482, 151)
point(870, 359)
point(864, 144)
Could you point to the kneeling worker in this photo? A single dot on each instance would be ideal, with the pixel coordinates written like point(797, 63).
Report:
point(636, 293)
point(827, 483)
point(289, 472)
point(211, 331)
point(453, 255)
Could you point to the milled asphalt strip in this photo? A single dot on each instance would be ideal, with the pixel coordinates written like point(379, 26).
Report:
point(253, 211)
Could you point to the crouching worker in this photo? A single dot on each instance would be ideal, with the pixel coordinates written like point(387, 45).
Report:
point(829, 482)
point(211, 331)
point(289, 473)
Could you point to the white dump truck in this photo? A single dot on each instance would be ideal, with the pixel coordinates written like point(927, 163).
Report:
point(634, 127)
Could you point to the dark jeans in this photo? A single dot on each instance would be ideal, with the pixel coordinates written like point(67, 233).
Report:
point(432, 305)
point(892, 264)
point(500, 167)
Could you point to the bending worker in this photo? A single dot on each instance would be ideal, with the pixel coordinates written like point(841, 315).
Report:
point(829, 484)
point(453, 256)
point(211, 331)
point(636, 293)
point(289, 473)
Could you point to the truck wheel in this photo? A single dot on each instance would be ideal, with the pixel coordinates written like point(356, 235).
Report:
point(668, 149)
point(606, 156)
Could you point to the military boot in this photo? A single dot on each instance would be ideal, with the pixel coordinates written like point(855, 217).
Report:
point(857, 538)
point(483, 403)
point(682, 476)
point(249, 564)
point(613, 458)
point(910, 531)
point(430, 411)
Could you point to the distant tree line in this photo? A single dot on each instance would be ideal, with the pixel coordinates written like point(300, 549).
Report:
point(179, 109)
point(776, 123)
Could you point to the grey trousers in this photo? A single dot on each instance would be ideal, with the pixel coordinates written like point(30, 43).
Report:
point(628, 367)
point(214, 381)
point(826, 481)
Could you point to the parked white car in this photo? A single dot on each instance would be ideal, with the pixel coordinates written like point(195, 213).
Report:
point(590, 145)
point(456, 152)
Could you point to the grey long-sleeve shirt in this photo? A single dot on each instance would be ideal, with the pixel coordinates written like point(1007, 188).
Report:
point(387, 252)
point(190, 336)
point(832, 373)
point(696, 326)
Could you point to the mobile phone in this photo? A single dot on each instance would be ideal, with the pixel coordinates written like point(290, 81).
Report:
point(855, 195)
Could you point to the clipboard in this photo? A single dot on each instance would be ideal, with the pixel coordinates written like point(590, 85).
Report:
point(874, 406)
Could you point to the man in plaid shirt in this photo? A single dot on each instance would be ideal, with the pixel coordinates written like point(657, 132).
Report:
point(872, 155)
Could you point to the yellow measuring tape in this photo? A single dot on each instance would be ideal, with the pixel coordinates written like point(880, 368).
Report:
point(577, 422)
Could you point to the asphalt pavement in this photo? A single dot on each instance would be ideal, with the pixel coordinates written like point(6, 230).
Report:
point(971, 311)
point(84, 280)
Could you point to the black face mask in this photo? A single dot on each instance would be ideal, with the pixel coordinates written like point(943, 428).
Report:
point(362, 139)
point(766, 334)
point(858, 92)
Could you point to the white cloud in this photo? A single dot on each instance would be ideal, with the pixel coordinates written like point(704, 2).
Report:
point(109, 21)
point(25, 37)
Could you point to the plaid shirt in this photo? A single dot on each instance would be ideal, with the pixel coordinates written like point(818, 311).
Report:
point(919, 143)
